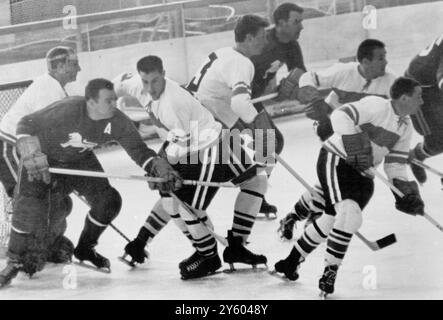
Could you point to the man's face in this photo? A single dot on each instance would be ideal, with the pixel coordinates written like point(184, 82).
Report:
point(412, 103)
point(377, 66)
point(257, 42)
point(105, 105)
point(153, 83)
point(293, 27)
point(71, 68)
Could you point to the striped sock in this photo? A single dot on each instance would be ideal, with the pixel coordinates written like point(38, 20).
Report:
point(337, 245)
point(311, 239)
point(246, 208)
point(154, 223)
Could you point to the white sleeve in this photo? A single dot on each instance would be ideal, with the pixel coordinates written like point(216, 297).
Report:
point(347, 118)
point(120, 87)
point(239, 77)
point(323, 79)
point(396, 160)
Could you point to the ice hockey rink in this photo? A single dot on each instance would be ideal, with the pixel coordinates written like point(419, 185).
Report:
point(409, 269)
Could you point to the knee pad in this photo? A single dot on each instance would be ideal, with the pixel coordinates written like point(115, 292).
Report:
point(316, 204)
point(349, 216)
point(30, 215)
point(107, 206)
point(258, 184)
point(433, 145)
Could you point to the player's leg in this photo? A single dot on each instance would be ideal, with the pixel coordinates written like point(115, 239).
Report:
point(317, 232)
point(27, 243)
point(105, 204)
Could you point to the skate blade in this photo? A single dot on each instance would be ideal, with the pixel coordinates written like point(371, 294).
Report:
point(127, 262)
point(266, 216)
point(254, 269)
point(92, 267)
point(323, 295)
point(201, 277)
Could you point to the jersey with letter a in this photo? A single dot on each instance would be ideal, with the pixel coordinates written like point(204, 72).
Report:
point(66, 132)
point(347, 84)
point(427, 66)
point(43, 91)
point(223, 85)
point(390, 134)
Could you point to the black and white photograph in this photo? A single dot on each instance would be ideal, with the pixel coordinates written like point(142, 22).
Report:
point(202, 151)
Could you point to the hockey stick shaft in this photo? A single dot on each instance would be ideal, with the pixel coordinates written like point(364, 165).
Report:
point(401, 194)
point(185, 206)
point(98, 174)
point(371, 244)
point(265, 97)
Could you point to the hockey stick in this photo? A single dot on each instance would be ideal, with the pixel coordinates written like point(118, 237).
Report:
point(425, 166)
point(373, 245)
point(98, 174)
point(401, 194)
point(265, 97)
point(188, 208)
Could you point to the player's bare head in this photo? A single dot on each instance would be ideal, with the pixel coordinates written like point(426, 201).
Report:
point(63, 64)
point(371, 54)
point(152, 74)
point(406, 95)
point(100, 99)
point(250, 34)
point(288, 19)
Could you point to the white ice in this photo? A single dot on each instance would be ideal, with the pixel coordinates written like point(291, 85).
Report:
point(409, 269)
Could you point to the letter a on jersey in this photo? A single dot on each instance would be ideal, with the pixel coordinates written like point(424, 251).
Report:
point(108, 128)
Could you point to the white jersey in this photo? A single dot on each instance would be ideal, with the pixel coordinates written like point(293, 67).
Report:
point(223, 85)
point(347, 84)
point(43, 91)
point(390, 134)
point(179, 118)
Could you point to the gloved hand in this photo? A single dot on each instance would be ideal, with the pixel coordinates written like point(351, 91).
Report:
point(288, 88)
point(160, 168)
point(318, 110)
point(411, 203)
point(34, 160)
point(359, 151)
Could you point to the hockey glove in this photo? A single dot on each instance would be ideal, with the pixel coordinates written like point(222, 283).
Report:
point(318, 110)
point(35, 162)
point(307, 94)
point(324, 129)
point(160, 168)
point(411, 203)
point(288, 88)
point(359, 151)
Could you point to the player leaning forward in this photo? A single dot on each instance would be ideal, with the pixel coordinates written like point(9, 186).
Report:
point(63, 135)
point(365, 133)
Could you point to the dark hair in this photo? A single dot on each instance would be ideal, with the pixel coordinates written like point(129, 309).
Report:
point(403, 85)
point(367, 47)
point(283, 11)
point(248, 24)
point(149, 64)
point(57, 55)
point(95, 85)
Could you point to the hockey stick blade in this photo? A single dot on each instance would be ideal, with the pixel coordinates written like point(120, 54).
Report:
point(380, 243)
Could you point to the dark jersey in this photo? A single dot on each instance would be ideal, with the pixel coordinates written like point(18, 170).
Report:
point(67, 134)
point(274, 55)
point(427, 66)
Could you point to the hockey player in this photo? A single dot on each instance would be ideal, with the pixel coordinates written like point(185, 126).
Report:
point(187, 128)
point(281, 49)
point(63, 66)
point(427, 68)
point(63, 135)
point(365, 133)
point(223, 85)
point(349, 82)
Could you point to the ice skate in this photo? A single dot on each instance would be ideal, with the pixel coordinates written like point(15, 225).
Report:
point(327, 281)
point(197, 266)
point(287, 224)
point(289, 266)
point(237, 253)
point(267, 211)
point(135, 249)
point(99, 262)
point(9, 272)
